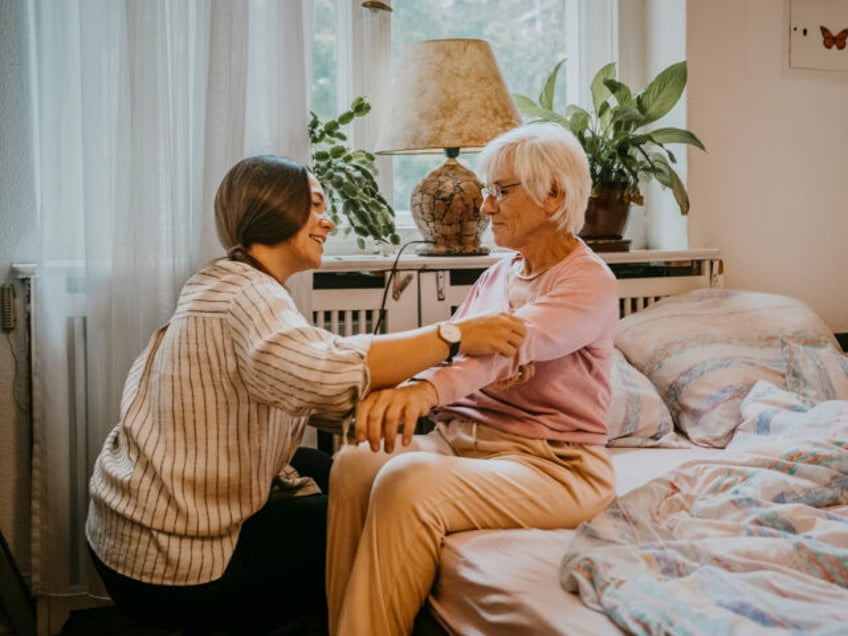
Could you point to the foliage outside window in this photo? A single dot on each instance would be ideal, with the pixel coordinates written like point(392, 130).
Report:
point(324, 53)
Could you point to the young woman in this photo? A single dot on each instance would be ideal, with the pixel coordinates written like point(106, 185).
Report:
point(184, 525)
point(519, 442)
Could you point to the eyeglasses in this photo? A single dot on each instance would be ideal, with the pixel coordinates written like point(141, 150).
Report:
point(498, 192)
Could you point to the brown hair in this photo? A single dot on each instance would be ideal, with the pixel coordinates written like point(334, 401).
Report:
point(265, 200)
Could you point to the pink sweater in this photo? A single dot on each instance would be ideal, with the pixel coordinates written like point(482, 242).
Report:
point(557, 387)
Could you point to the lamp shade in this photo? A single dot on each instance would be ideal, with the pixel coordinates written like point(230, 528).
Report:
point(446, 94)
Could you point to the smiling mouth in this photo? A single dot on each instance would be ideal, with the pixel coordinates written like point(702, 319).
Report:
point(318, 238)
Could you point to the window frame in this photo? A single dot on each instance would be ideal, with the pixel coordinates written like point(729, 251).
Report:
point(364, 64)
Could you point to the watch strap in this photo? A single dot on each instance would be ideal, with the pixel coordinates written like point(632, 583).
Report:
point(454, 351)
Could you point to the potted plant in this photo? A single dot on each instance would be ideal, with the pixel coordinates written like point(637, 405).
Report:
point(348, 179)
point(622, 151)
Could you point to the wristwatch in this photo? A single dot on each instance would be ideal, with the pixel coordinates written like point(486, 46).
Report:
point(451, 334)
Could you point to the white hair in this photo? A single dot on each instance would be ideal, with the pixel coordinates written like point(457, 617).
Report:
point(544, 157)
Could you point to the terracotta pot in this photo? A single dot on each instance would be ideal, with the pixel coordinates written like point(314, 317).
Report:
point(606, 215)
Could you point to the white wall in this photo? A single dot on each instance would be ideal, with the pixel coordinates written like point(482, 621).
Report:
point(772, 191)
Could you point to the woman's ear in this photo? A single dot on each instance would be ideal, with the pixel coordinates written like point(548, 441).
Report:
point(556, 197)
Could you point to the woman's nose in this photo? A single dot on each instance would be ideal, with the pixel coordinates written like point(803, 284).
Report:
point(489, 205)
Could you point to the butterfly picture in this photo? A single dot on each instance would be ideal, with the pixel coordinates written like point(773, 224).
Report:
point(829, 40)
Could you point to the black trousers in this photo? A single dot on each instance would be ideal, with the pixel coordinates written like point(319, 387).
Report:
point(276, 574)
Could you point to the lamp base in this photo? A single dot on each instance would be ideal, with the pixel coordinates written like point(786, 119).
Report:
point(446, 208)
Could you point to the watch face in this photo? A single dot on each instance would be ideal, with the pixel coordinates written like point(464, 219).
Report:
point(450, 332)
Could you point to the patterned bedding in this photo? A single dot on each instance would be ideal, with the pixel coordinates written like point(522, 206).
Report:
point(754, 541)
point(729, 424)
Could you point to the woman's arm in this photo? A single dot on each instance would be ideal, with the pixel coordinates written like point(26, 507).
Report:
point(395, 357)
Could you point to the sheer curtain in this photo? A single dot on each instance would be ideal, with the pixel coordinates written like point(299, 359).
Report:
point(140, 107)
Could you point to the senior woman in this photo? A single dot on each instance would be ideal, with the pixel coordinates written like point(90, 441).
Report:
point(183, 526)
point(519, 441)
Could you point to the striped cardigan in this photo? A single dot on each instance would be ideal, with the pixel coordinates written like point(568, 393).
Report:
point(213, 409)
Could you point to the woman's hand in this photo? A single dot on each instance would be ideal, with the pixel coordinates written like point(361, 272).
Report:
point(382, 413)
point(491, 332)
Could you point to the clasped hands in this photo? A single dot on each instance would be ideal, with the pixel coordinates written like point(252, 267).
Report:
point(381, 414)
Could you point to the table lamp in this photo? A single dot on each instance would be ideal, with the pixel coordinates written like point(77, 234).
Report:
point(448, 96)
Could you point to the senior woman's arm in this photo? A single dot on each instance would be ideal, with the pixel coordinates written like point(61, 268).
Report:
point(383, 413)
point(567, 318)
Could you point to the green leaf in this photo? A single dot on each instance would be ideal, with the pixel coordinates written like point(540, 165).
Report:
point(539, 114)
point(627, 114)
point(522, 101)
point(675, 136)
point(599, 90)
point(661, 95)
point(546, 97)
point(620, 91)
point(579, 121)
point(679, 191)
point(665, 174)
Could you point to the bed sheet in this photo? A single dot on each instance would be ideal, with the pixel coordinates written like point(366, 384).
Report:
point(507, 582)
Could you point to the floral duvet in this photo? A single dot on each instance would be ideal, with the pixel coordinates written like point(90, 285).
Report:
point(754, 542)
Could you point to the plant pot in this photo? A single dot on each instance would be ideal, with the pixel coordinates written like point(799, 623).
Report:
point(606, 216)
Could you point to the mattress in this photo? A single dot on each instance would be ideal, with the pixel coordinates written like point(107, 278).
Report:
point(506, 582)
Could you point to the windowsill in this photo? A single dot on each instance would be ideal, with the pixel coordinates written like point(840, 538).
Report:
point(340, 245)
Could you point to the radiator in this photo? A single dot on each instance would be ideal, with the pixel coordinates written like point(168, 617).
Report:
point(350, 298)
point(62, 578)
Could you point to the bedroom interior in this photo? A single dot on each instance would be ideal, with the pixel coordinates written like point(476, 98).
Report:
point(764, 241)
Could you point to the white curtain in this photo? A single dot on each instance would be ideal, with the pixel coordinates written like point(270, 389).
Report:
point(140, 107)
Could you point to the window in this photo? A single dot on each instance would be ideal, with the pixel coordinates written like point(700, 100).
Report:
point(324, 54)
point(527, 37)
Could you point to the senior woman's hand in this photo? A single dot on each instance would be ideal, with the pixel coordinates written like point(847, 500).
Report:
point(491, 332)
point(382, 413)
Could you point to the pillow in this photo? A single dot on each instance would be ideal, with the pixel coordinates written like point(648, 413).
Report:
point(637, 415)
point(814, 373)
point(703, 350)
point(771, 414)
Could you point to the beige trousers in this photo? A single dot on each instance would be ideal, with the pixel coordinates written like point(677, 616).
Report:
point(388, 514)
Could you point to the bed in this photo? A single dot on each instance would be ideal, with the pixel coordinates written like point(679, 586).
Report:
point(728, 429)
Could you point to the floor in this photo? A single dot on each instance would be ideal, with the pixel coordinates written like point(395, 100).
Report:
point(109, 621)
